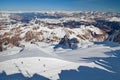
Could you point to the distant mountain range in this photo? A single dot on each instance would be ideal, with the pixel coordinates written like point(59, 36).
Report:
point(19, 27)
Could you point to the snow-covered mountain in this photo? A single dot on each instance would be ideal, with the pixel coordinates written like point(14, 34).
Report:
point(50, 27)
point(59, 45)
point(15, 34)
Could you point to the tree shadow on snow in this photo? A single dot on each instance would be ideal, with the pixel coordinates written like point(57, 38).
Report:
point(20, 76)
point(86, 73)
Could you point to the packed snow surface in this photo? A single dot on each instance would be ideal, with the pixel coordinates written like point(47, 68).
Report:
point(42, 59)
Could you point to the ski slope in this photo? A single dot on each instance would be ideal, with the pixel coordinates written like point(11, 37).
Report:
point(51, 64)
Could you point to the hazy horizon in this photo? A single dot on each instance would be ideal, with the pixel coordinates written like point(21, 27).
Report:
point(60, 5)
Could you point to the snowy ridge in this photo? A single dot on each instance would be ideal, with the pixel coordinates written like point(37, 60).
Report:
point(33, 60)
point(41, 66)
point(115, 19)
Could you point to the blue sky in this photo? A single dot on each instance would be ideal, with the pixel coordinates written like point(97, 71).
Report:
point(83, 5)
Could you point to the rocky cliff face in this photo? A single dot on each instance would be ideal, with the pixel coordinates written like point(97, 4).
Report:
point(115, 36)
point(67, 43)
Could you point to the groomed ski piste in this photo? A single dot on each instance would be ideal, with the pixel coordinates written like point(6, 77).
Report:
point(96, 61)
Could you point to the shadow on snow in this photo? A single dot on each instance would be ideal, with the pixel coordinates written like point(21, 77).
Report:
point(20, 76)
point(87, 73)
point(83, 72)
